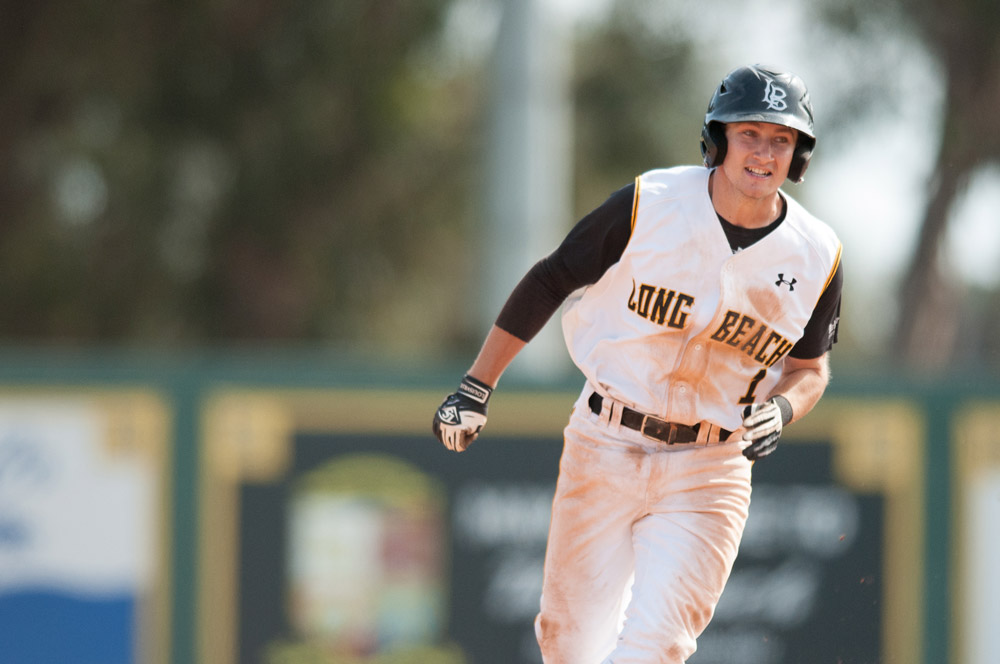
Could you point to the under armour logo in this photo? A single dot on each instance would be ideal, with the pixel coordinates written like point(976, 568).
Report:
point(781, 280)
point(775, 95)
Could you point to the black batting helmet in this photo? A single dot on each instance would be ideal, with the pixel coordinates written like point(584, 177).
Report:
point(759, 94)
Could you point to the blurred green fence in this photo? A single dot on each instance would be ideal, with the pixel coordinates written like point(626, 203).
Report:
point(293, 507)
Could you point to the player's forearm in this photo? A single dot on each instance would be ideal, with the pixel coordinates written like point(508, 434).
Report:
point(498, 351)
point(803, 384)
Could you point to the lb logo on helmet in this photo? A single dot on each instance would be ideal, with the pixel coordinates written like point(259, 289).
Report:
point(775, 95)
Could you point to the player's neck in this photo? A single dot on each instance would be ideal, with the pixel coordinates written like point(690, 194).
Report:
point(739, 209)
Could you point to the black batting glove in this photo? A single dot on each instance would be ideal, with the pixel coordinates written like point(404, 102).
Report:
point(763, 423)
point(462, 416)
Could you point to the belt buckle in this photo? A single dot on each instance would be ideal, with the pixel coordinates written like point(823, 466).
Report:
point(667, 431)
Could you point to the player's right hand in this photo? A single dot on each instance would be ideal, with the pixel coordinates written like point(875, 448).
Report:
point(462, 415)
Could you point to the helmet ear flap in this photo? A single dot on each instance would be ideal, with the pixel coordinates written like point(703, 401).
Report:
point(713, 143)
point(800, 158)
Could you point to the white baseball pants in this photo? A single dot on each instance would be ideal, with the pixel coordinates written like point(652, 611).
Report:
point(626, 508)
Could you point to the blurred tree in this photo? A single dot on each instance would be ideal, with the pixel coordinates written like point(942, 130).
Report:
point(963, 36)
point(635, 108)
point(194, 171)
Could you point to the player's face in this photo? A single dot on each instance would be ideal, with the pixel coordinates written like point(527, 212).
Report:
point(758, 156)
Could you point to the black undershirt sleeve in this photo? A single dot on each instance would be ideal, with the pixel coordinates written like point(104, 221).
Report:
point(591, 247)
point(821, 331)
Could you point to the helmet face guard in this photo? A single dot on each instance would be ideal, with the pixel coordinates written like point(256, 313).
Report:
point(759, 94)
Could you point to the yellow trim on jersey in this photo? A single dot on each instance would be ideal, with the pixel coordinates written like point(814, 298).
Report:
point(635, 204)
point(833, 270)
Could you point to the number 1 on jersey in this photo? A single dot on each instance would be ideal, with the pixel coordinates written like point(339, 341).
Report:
point(750, 397)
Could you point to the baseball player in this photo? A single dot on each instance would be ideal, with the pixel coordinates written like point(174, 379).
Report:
point(700, 306)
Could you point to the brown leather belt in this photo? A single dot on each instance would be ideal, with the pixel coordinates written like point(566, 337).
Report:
point(655, 428)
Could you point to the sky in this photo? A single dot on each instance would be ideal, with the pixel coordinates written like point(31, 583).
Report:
point(871, 187)
point(870, 183)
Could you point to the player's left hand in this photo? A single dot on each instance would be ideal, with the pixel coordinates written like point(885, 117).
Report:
point(462, 416)
point(763, 422)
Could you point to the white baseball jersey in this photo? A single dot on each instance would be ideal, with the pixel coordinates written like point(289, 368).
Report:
point(681, 327)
